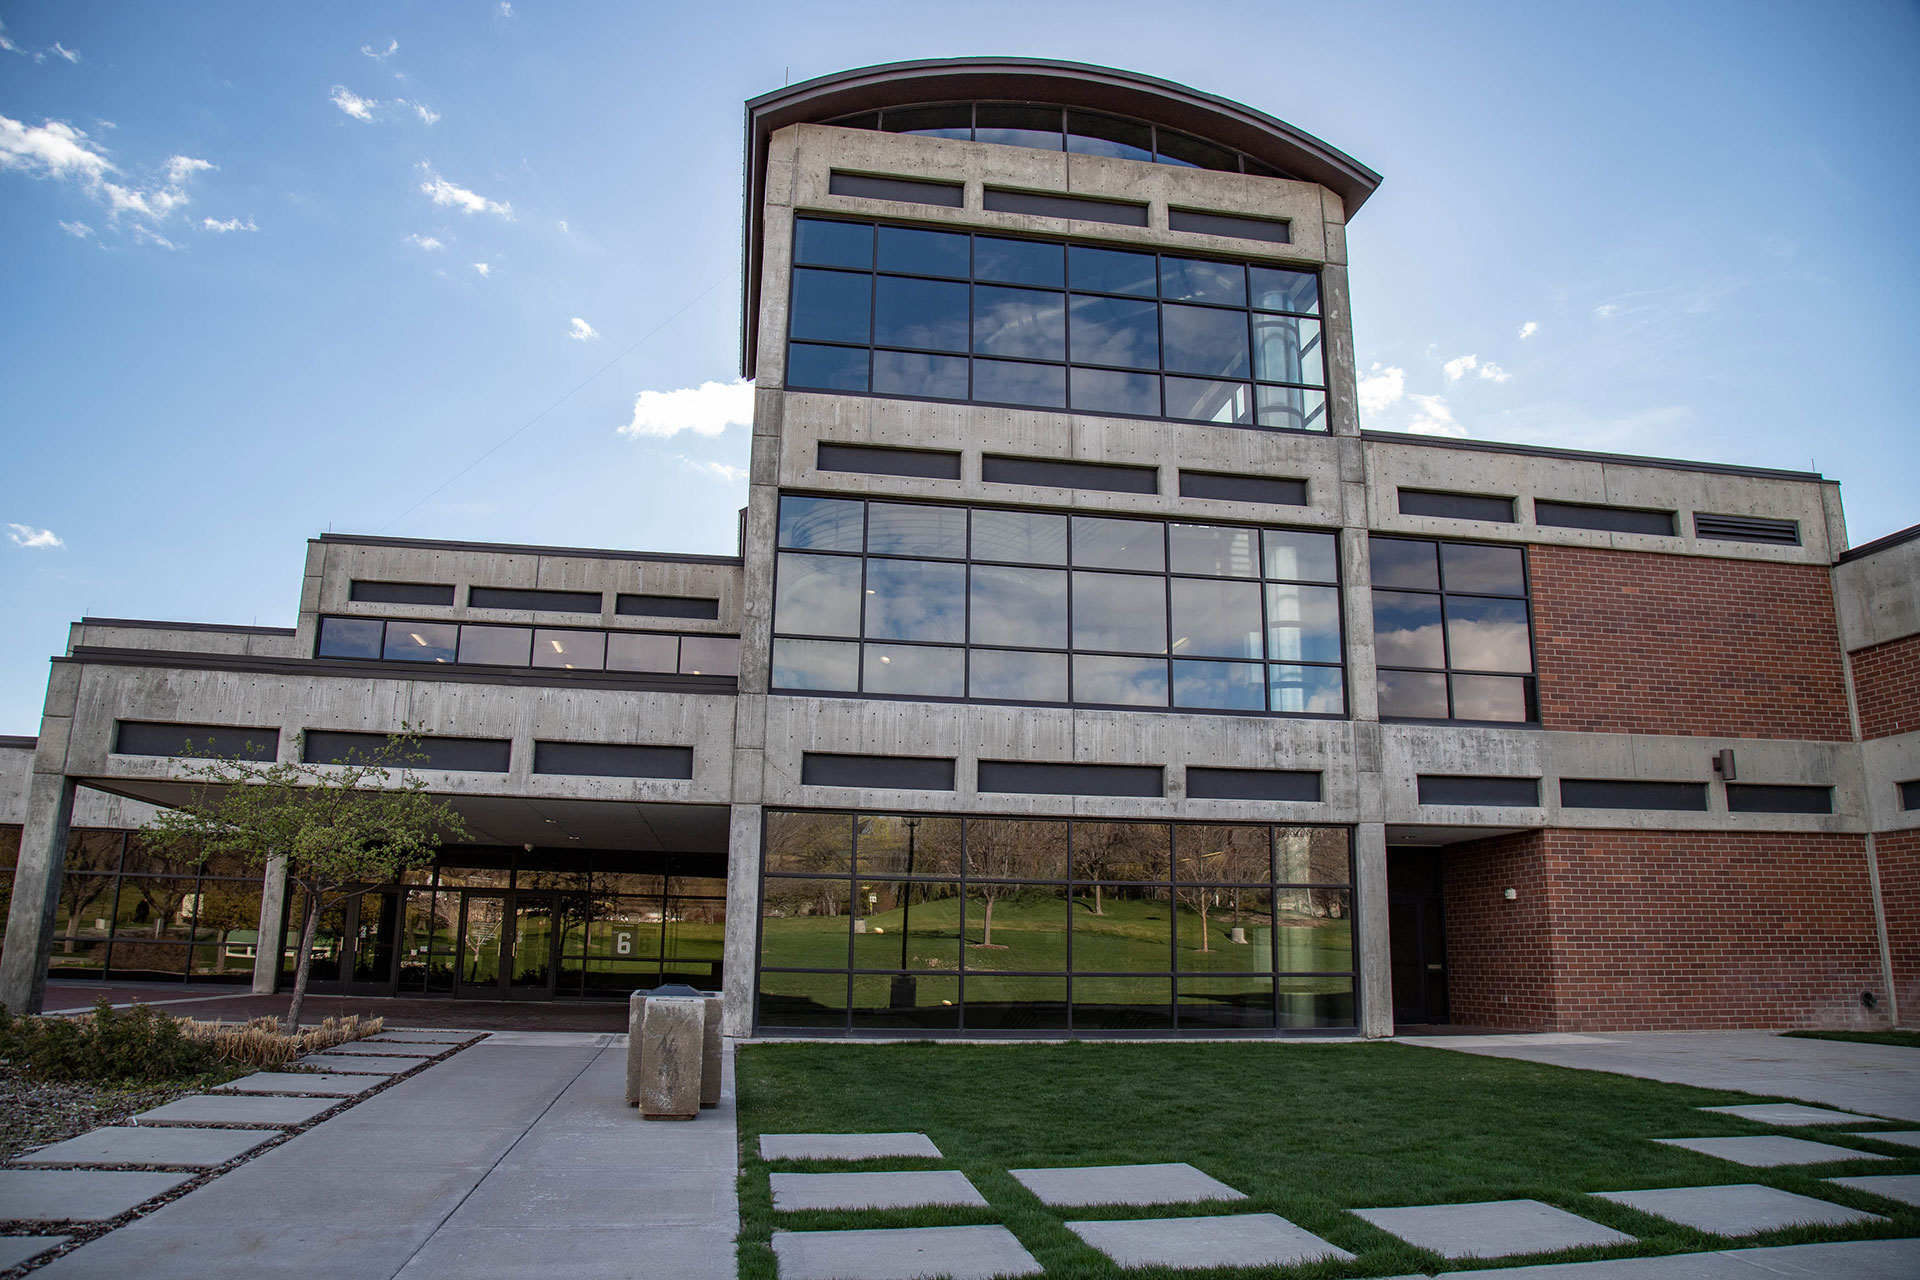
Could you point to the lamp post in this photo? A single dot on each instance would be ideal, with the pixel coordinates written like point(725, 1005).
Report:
point(906, 893)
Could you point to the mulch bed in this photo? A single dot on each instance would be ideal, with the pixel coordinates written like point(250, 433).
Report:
point(34, 1113)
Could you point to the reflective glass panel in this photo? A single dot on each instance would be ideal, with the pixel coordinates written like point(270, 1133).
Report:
point(1222, 686)
point(930, 315)
point(627, 651)
point(1203, 340)
point(1004, 382)
point(1019, 262)
point(1317, 691)
point(1026, 607)
point(1311, 855)
point(1115, 331)
point(1315, 933)
point(1016, 849)
point(916, 529)
point(894, 846)
point(1122, 929)
point(1213, 549)
point(1287, 349)
point(351, 637)
point(497, 646)
point(916, 1001)
point(1277, 289)
point(909, 373)
point(803, 1000)
point(1026, 1003)
point(915, 600)
point(1490, 698)
point(923, 253)
point(915, 670)
point(708, 655)
point(827, 368)
point(832, 244)
point(999, 675)
point(1299, 556)
point(1303, 623)
point(1138, 1003)
point(1418, 695)
point(1120, 851)
point(1488, 635)
point(1122, 612)
point(1017, 125)
point(1399, 563)
point(1016, 926)
point(1030, 323)
point(820, 524)
point(906, 925)
point(1197, 400)
point(1406, 630)
point(1222, 854)
point(1091, 135)
point(818, 595)
point(1026, 537)
point(1216, 618)
point(804, 923)
point(420, 641)
point(1498, 571)
point(1110, 271)
point(1196, 280)
point(1110, 391)
point(816, 664)
point(818, 844)
point(1314, 1002)
point(953, 120)
point(1178, 148)
point(831, 306)
point(1228, 1001)
point(1291, 408)
point(1129, 682)
point(570, 650)
point(1101, 543)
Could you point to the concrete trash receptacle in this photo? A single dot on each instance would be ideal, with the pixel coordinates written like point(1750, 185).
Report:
point(673, 1033)
point(708, 1064)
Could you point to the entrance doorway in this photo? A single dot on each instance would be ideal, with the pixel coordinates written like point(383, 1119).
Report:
point(509, 945)
point(1417, 936)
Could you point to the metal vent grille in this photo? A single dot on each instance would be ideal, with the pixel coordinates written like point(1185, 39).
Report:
point(1785, 533)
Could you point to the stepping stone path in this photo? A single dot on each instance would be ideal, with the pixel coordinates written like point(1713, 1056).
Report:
point(406, 1049)
point(1230, 1240)
point(845, 1146)
point(15, 1250)
point(234, 1108)
point(329, 1085)
point(1124, 1184)
point(358, 1065)
point(78, 1195)
point(1904, 1138)
point(1769, 1151)
point(1786, 1114)
point(959, 1253)
point(1904, 1187)
point(1491, 1229)
point(1739, 1210)
point(906, 1190)
point(123, 1144)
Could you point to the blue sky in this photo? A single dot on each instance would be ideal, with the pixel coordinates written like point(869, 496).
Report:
point(272, 270)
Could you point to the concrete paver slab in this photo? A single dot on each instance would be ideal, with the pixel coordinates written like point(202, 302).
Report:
point(1787, 1114)
point(234, 1108)
point(1230, 1240)
point(128, 1144)
point(904, 1190)
point(845, 1146)
point(513, 1195)
point(1903, 1137)
point(240, 1251)
point(78, 1195)
point(15, 1250)
point(420, 1037)
point(1854, 1259)
point(1904, 1187)
point(520, 1253)
point(382, 1049)
point(358, 1064)
point(1739, 1210)
point(1767, 1151)
point(1491, 1229)
point(331, 1084)
point(1124, 1184)
point(959, 1253)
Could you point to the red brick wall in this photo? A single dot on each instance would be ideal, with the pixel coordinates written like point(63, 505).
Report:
point(1635, 643)
point(1661, 930)
point(1898, 853)
point(1886, 680)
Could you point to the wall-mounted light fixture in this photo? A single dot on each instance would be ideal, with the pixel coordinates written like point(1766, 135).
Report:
point(1511, 895)
point(1723, 764)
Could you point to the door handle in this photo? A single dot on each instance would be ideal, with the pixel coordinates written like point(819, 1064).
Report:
point(1436, 968)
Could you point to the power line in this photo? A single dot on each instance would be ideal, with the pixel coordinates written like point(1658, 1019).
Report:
point(515, 433)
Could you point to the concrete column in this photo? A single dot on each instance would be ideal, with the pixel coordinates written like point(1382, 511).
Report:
point(743, 918)
point(269, 942)
point(36, 892)
point(1370, 910)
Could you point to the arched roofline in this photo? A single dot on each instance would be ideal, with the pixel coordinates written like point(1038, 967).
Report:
point(1071, 84)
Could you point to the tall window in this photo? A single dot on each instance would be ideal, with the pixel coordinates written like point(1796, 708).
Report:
point(915, 600)
point(1452, 634)
point(949, 315)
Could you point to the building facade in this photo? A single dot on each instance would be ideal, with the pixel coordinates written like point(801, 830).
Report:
point(1084, 668)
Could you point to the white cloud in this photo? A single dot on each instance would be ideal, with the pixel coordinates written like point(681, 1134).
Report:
point(1381, 388)
point(426, 113)
point(24, 535)
point(581, 331)
point(59, 51)
point(5, 43)
point(51, 150)
point(483, 268)
point(1491, 372)
point(1434, 418)
point(732, 475)
point(1459, 367)
point(1528, 329)
point(381, 55)
point(352, 103)
point(429, 243)
point(147, 235)
point(506, 9)
point(231, 224)
point(442, 192)
point(705, 410)
point(1605, 310)
point(180, 168)
point(78, 230)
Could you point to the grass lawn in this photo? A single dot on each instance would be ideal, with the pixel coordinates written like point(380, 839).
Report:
point(1307, 1131)
point(1899, 1039)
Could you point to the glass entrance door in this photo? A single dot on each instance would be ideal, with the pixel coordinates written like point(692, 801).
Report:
point(482, 942)
point(507, 945)
point(530, 976)
point(371, 943)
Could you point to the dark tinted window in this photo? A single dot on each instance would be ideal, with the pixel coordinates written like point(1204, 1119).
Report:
point(1456, 506)
point(905, 190)
point(1613, 793)
point(612, 760)
point(1575, 515)
point(197, 741)
point(647, 606)
point(534, 601)
point(430, 593)
point(1452, 631)
point(351, 637)
point(1519, 793)
point(1750, 797)
point(467, 755)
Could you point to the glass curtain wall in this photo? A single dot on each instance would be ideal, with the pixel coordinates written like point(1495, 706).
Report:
point(896, 921)
point(1452, 631)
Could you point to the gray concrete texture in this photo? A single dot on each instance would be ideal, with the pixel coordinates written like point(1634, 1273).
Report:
point(1768, 1151)
point(1229, 1240)
point(1854, 1259)
point(1739, 1210)
point(358, 1064)
point(1786, 1114)
point(1904, 1187)
point(672, 1049)
point(1137, 1184)
point(901, 1189)
point(15, 1250)
point(382, 1049)
point(845, 1146)
point(909, 1253)
point(320, 1084)
point(78, 1195)
point(1901, 1138)
point(1491, 1229)
point(235, 1109)
point(138, 1144)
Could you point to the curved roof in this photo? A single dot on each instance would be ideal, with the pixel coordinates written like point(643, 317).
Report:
point(1071, 84)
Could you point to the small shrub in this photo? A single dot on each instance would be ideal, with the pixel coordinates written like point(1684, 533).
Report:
point(108, 1044)
point(261, 1043)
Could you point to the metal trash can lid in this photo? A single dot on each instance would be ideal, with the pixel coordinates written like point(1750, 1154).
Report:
point(674, 990)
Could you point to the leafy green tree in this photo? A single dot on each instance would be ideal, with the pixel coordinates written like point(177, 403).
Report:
point(339, 827)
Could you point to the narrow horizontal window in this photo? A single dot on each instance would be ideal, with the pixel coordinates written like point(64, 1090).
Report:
point(1253, 784)
point(1910, 795)
point(612, 760)
point(1785, 533)
point(464, 755)
point(1233, 488)
point(1271, 230)
point(1759, 797)
point(1517, 793)
point(1020, 777)
point(1075, 207)
point(949, 195)
point(400, 593)
point(645, 606)
point(196, 741)
point(1456, 506)
point(860, 459)
point(1619, 793)
point(894, 773)
point(533, 601)
point(1108, 477)
point(1581, 515)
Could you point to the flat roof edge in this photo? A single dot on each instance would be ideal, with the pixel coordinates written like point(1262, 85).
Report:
point(156, 624)
point(518, 548)
point(1893, 539)
point(1590, 455)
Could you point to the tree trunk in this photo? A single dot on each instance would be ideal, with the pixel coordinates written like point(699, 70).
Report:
point(73, 929)
point(1206, 943)
point(1097, 908)
point(986, 933)
point(303, 961)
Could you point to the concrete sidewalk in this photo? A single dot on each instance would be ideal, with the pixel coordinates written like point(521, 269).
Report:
point(515, 1158)
point(1880, 1080)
